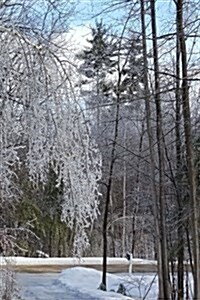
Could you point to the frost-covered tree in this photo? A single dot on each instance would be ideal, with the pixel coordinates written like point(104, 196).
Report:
point(41, 126)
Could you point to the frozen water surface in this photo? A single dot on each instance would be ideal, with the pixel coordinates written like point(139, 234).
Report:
point(43, 287)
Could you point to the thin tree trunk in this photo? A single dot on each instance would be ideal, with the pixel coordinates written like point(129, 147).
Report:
point(98, 104)
point(189, 152)
point(180, 267)
point(124, 202)
point(133, 234)
point(137, 184)
point(109, 188)
point(151, 149)
point(173, 284)
point(112, 227)
point(187, 297)
point(51, 241)
point(189, 249)
point(163, 235)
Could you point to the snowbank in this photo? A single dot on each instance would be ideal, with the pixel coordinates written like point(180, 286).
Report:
point(86, 282)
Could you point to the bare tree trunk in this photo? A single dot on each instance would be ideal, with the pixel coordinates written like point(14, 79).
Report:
point(180, 267)
point(189, 151)
point(137, 184)
point(163, 234)
point(152, 159)
point(133, 233)
point(112, 226)
point(98, 104)
point(109, 188)
point(189, 249)
point(124, 202)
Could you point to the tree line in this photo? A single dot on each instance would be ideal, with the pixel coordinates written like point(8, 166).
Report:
point(144, 114)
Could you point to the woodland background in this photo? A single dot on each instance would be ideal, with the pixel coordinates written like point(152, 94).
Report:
point(134, 89)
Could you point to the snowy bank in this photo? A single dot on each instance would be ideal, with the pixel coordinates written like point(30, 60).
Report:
point(86, 282)
point(55, 264)
point(72, 261)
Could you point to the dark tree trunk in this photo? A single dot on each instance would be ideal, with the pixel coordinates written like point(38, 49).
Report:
point(109, 188)
point(137, 184)
point(189, 151)
point(160, 148)
point(180, 254)
point(152, 155)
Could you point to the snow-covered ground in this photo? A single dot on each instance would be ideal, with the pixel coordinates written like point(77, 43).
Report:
point(42, 287)
point(87, 281)
point(80, 283)
point(77, 282)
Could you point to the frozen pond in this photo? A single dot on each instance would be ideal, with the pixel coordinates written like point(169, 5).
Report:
point(43, 287)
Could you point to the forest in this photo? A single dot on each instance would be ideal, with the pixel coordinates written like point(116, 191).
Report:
point(100, 140)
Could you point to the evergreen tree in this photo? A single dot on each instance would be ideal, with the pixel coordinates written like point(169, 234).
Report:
point(132, 82)
point(98, 65)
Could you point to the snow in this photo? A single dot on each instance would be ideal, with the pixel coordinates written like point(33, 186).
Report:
point(72, 261)
point(141, 285)
point(43, 287)
point(82, 283)
point(87, 281)
point(78, 282)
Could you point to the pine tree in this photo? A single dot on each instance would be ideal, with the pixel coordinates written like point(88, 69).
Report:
point(132, 82)
point(98, 65)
